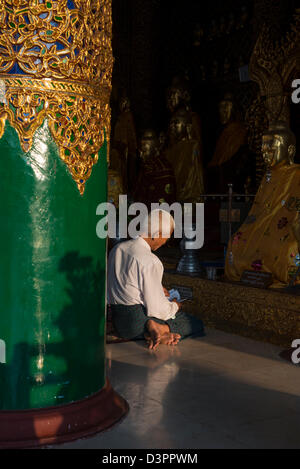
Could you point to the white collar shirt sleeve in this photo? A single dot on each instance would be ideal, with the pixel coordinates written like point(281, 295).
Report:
point(154, 299)
point(135, 277)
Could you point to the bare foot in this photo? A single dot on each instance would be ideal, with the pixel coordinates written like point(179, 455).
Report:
point(156, 332)
point(167, 338)
point(170, 339)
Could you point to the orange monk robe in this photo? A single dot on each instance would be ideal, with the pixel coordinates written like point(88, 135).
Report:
point(230, 141)
point(186, 161)
point(266, 241)
point(231, 163)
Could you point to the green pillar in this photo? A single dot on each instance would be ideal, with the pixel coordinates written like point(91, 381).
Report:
point(55, 79)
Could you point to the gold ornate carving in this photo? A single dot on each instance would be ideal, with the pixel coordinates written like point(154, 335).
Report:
point(273, 66)
point(267, 315)
point(56, 63)
point(257, 124)
point(57, 39)
point(3, 118)
point(77, 119)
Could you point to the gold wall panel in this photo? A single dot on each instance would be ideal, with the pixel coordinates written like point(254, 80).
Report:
point(267, 315)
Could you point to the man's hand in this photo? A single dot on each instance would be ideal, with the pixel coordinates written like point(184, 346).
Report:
point(166, 292)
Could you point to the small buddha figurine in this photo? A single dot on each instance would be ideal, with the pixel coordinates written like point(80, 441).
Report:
point(124, 145)
point(185, 156)
point(268, 240)
point(231, 163)
point(177, 96)
point(156, 181)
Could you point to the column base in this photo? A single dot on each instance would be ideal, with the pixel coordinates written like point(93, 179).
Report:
point(56, 425)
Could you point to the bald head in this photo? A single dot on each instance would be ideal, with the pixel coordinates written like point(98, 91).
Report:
point(157, 228)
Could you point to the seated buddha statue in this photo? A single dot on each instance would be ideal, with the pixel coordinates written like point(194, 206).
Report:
point(156, 180)
point(231, 162)
point(185, 157)
point(267, 242)
point(124, 145)
point(178, 96)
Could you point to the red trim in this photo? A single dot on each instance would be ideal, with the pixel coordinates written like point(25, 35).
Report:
point(55, 425)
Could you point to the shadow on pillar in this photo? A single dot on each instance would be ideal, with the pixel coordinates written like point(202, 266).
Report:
point(80, 411)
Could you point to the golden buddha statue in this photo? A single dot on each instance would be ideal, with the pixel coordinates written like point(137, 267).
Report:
point(156, 181)
point(232, 162)
point(124, 145)
point(267, 240)
point(178, 96)
point(185, 157)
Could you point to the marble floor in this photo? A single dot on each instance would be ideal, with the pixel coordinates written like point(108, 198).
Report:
point(221, 391)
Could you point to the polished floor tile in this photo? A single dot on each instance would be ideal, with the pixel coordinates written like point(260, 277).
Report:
point(220, 391)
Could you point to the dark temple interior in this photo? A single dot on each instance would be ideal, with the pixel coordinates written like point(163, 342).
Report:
point(211, 53)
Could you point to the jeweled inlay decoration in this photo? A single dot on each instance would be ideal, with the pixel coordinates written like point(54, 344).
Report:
point(56, 63)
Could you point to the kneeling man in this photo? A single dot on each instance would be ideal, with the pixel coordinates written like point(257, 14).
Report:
point(139, 303)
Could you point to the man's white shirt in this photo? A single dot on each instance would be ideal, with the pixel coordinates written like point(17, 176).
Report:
point(135, 277)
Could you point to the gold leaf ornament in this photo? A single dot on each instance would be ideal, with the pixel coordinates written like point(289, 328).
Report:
point(56, 63)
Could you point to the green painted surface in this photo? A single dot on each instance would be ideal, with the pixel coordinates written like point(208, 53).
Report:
point(52, 277)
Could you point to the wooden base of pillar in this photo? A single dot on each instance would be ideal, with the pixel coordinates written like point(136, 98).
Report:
point(55, 425)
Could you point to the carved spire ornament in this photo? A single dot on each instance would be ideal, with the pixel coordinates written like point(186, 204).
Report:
point(274, 66)
point(56, 63)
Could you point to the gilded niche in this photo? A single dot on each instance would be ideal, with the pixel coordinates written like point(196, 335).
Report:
point(56, 62)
